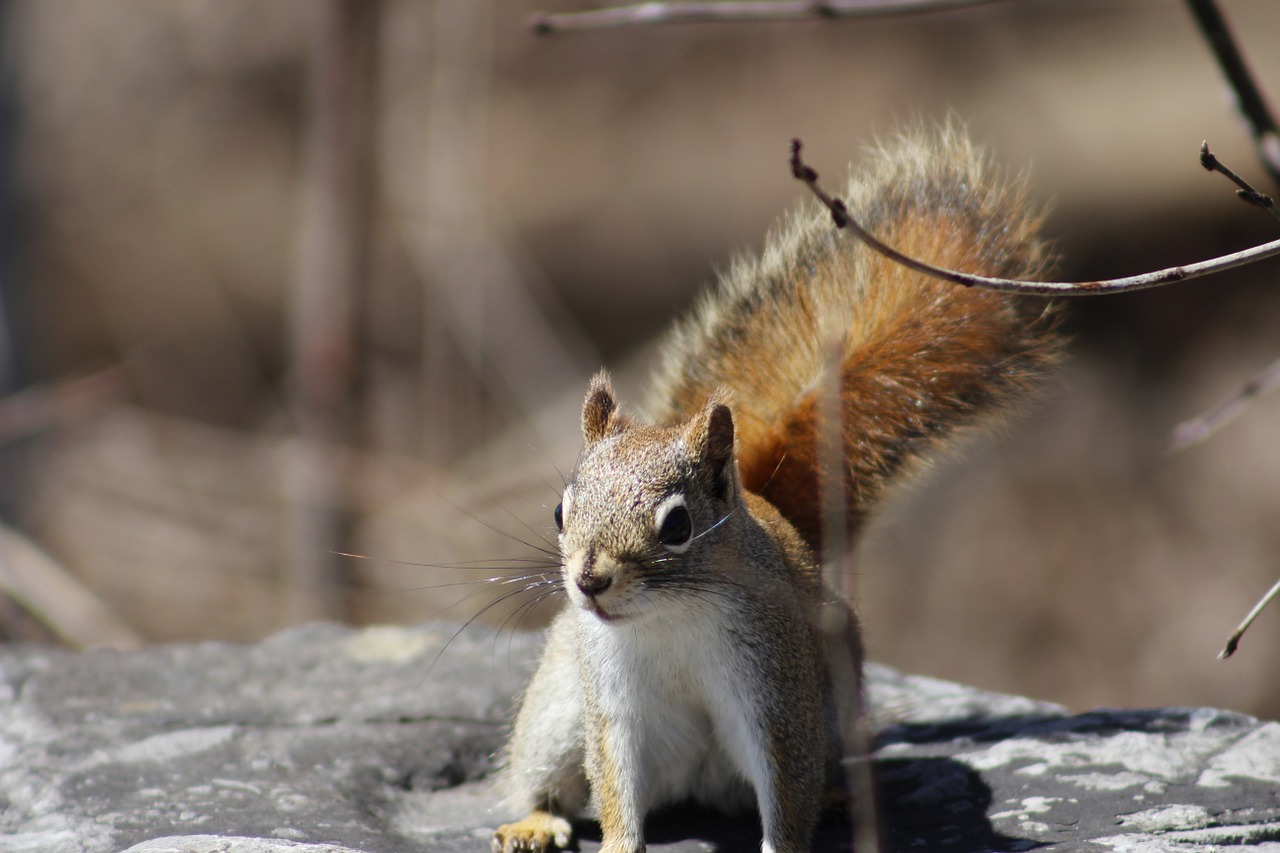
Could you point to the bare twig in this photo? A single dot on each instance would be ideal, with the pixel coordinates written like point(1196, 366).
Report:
point(842, 218)
point(1198, 429)
point(1246, 191)
point(1230, 648)
point(1266, 136)
point(644, 14)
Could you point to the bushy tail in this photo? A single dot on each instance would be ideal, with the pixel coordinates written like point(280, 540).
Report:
point(917, 358)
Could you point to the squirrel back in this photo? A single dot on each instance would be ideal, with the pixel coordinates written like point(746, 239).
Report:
point(916, 359)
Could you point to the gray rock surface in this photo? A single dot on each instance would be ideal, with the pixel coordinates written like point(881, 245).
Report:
point(330, 740)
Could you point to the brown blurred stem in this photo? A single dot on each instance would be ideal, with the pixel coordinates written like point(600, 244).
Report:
point(644, 14)
point(327, 306)
point(1253, 106)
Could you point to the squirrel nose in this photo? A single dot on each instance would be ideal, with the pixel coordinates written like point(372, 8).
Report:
point(592, 584)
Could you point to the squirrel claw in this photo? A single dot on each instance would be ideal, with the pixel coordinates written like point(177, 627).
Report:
point(537, 833)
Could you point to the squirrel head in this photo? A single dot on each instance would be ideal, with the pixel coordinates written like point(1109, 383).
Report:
point(645, 506)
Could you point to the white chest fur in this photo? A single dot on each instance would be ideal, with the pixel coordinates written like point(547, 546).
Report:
point(674, 692)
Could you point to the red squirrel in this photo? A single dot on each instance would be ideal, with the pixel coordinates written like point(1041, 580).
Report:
point(688, 662)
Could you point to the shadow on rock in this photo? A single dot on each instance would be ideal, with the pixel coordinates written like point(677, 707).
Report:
point(936, 804)
point(923, 803)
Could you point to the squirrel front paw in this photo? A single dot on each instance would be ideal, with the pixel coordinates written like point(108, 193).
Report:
point(539, 832)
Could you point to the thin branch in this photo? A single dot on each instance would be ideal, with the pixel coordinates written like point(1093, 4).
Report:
point(1198, 429)
point(1246, 191)
point(1230, 648)
point(842, 218)
point(645, 14)
point(1253, 106)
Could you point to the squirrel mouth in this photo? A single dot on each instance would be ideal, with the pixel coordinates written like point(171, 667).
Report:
point(599, 612)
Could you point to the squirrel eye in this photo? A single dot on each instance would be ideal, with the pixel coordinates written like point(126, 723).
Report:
point(676, 527)
point(559, 516)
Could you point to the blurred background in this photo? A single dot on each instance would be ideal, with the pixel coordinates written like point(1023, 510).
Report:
point(284, 281)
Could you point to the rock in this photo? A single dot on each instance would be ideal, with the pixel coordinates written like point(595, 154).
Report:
point(325, 739)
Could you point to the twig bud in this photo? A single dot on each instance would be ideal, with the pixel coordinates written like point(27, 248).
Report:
point(1207, 159)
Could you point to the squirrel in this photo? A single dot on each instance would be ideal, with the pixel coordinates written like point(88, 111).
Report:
point(688, 662)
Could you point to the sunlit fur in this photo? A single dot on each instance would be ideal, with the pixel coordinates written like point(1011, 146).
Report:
point(918, 358)
point(700, 671)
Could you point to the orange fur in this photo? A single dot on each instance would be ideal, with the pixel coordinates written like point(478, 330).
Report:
point(671, 638)
point(918, 358)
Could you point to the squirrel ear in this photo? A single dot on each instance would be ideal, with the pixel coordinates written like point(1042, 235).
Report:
point(599, 409)
point(711, 437)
